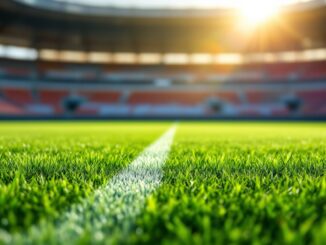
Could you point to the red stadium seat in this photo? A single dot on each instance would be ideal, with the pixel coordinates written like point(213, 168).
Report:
point(315, 71)
point(229, 97)
point(18, 72)
point(53, 98)
point(313, 100)
point(262, 97)
point(183, 98)
point(101, 97)
point(282, 71)
point(18, 95)
point(157, 97)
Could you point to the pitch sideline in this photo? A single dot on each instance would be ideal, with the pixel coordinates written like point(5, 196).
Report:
point(112, 208)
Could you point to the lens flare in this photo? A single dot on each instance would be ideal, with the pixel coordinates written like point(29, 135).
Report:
point(255, 12)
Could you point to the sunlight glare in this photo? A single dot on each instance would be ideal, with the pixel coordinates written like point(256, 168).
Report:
point(256, 12)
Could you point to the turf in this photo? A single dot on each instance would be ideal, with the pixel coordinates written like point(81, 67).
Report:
point(44, 168)
point(245, 183)
point(241, 183)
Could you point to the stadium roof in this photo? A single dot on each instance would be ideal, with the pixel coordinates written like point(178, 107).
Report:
point(160, 8)
point(167, 3)
point(35, 27)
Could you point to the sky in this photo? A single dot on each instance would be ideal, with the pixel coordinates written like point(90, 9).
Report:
point(173, 3)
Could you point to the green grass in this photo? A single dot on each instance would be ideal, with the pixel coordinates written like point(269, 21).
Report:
point(44, 168)
point(223, 183)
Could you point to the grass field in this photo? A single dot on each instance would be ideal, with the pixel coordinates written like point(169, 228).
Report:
point(222, 183)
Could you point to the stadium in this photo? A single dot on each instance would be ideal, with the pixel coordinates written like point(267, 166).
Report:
point(144, 122)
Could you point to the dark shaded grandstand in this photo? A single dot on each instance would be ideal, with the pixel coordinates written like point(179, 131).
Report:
point(159, 63)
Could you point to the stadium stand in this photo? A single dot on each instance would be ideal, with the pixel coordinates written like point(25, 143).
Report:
point(107, 97)
point(53, 98)
point(19, 96)
point(315, 71)
point(10, 109)
point(103, 72)
point(314, 101)
point(158, 97)
point(112, 98)
point(263, 97)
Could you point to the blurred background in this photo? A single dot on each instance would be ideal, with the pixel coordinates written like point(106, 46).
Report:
point(162, 59)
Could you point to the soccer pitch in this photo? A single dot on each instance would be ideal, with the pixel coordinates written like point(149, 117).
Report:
point(162, 183)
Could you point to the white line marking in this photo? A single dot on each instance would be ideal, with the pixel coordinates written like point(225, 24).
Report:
point(113, 208)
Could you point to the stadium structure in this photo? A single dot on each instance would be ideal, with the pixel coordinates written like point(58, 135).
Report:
point(61, 58)
point(162, 122)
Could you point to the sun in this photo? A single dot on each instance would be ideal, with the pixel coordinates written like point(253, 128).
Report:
point(256, 12)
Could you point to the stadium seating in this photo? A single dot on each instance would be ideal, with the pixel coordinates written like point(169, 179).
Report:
point(182, 98)
point(17, 69)
point(283, 72)
point(263, 97)
point(101, 96)
point(162, 90)
point(157, 97)
point(313, 100)
point(70, 75)
point(53, 98)
point(87, 111)
point(251, 102)
point(280, 112)
point(228, 97)
point(18, 95)
point(248, 72)
point(10, 109)
point(315, 71)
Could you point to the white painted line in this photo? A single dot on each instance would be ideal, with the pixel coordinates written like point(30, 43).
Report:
point(113, 209)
